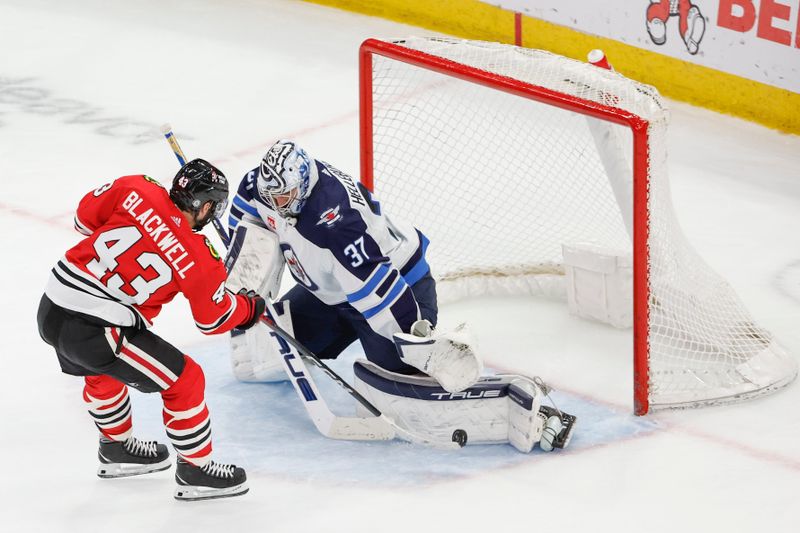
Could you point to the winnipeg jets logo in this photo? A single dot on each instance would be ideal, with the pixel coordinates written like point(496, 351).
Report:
point(329, 216)
point(297, 270)
point(271, 222)
point(176, 220)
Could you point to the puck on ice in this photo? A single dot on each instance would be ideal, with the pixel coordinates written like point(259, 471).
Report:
point(460, 437)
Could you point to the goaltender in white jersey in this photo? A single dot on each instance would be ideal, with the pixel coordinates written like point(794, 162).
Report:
point(360, 276)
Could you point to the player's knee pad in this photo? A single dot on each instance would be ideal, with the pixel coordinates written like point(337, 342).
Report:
point(256, 353)
point(496, 409)
point(191, 381)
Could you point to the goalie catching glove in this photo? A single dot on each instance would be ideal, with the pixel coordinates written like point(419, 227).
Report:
point(449, 357)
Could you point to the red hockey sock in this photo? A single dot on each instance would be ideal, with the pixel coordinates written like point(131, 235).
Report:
point(109, 405)
point(186, 416)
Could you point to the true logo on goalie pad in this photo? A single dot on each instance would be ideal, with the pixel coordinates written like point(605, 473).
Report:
point(467, 394)
point(426, 388)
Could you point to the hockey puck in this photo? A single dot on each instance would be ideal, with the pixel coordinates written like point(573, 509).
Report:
point(460, 437)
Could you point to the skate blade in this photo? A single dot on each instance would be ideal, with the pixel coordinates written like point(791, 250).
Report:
point(115, 470)
point(192, 493)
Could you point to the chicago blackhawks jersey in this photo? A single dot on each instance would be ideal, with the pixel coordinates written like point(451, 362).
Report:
point(343, 248)
point(139, 252)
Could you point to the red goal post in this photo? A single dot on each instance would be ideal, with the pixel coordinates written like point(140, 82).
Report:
point(581, 91)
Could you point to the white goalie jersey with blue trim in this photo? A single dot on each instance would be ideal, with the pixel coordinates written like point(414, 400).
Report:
point(343, 248)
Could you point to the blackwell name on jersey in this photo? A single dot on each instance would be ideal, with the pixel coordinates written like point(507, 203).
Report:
point(160, 233)
point(139, 252)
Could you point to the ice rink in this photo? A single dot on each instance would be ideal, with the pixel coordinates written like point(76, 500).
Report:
point(84, 86)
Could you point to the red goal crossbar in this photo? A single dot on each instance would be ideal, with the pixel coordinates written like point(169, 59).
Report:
point(638, 126)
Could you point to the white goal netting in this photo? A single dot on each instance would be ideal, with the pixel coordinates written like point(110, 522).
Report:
point(500, 181)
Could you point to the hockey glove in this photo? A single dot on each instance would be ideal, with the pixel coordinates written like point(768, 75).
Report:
point(255, 308)
point(449, 356)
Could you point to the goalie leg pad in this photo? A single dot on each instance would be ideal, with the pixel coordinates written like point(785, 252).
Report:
point(255, 353)
point(496, 409)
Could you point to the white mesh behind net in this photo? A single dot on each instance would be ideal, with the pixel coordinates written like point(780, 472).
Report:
point(499, 182)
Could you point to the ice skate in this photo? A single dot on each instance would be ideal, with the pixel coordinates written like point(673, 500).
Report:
point(214, 480)
point(131, 458)
point(558, 428)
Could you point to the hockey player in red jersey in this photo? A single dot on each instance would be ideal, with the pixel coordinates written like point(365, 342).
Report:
point(141, 249)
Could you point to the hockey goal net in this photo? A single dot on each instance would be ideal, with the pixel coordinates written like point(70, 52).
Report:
point(502, 155)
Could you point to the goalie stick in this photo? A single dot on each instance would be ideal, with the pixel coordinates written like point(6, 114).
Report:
point(381, 427)
point(391, 427)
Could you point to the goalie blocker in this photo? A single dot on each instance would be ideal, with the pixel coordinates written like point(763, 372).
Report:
point(254, 260)
point(496, 409)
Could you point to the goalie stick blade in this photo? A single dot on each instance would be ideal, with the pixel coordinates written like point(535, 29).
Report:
point(356, 428)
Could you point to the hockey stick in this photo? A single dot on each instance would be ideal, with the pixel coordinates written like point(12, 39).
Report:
point(380, 427)
point(326, 422)
point(166, 129)
point(390, 424)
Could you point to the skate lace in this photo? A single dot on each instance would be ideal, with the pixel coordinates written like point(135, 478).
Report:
point(218, 470)
point(141, 448)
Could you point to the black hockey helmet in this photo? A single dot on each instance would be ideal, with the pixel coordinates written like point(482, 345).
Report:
point(196, 183)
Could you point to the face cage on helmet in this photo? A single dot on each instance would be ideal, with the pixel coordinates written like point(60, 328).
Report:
point(290, 209)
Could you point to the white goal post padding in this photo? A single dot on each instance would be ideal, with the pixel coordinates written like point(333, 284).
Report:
point(502, 155)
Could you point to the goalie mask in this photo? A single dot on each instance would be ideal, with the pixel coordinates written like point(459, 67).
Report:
point(284, 178)
point(196, 183)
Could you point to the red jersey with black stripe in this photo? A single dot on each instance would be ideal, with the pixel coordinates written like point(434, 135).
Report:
point(139, 252)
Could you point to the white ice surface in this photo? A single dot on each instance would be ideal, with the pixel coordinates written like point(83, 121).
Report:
point(83, 87)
